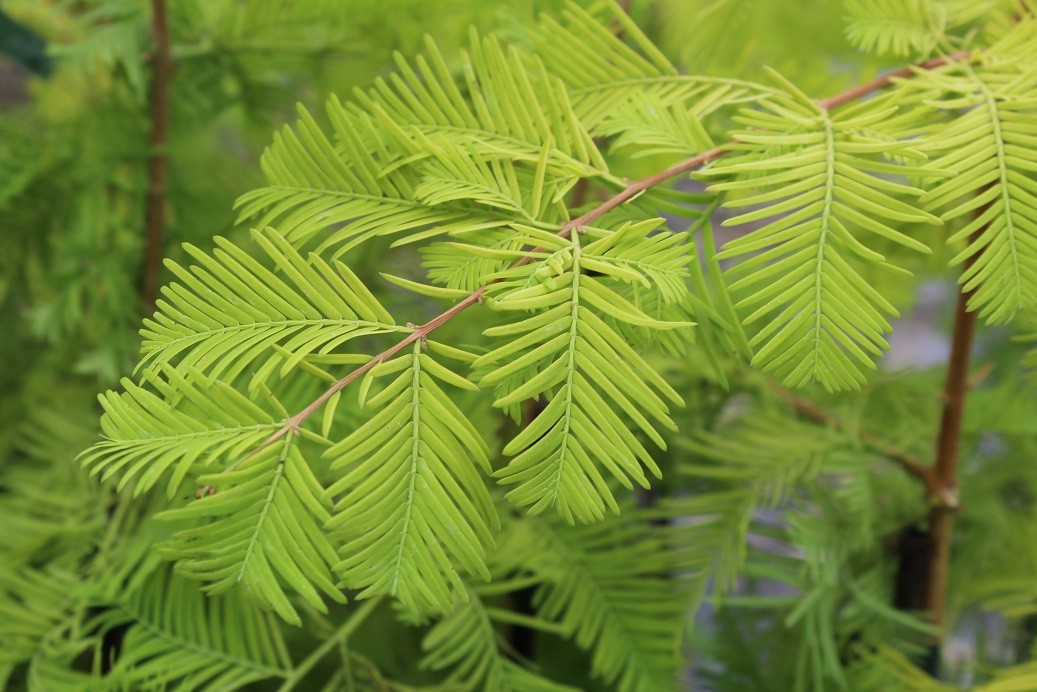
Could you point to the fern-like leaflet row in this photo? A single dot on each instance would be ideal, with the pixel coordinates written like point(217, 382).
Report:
point(411, 502)
point(818, 177)
point(586, 370)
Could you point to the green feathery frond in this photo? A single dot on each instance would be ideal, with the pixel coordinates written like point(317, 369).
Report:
point(467, 642)
point(50, 508)
point(818, 177)
point(176, 636)
point(609, 585)
point(260, 526)
point(845, 603)
point(112, 36)
point(404, 154)
point(471, 640)
point(229, 311)
point(35, 607)
point(719, 332)
point(835, 511)
point(264, 522)
point(988, 13)
point(883, 667)
point(897, 27)
point(190, 422)
point(1013, 44)
point(989, 145)
point(758, 465)
point(426, 98)
point(606, 77)
point(1012, 679)
point(274, 26)
point(466, 267)
point(590, 375)
point(649, 128)
point(412, 508)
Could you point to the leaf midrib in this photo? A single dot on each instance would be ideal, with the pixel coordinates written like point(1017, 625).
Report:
point(570, 368)
point(265, 510)
point(825, 215)
point(415, 446)
point(163, 345)
point(1002, 167)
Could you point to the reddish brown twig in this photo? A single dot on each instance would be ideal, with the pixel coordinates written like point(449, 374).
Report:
point(154, 213)
point(913, 465)
point(885, 80)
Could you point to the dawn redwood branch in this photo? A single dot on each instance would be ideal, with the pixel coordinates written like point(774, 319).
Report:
point(421, 332)
point(911, 464)
point(632, 190)
point(154, 213)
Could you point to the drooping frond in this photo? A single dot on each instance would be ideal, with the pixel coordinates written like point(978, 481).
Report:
point(418, 156)
point(757, 465)
point(650, 128)
point(610, 585)
point(426, 97)
point(412, 509)
point(836, 508)
point(591, 377)
point(467, 642)
point(845, 603)
point(177, 636)
point(50, 508)
point(606, 77)
point(897, 27)
point(190, 422)
point(468, 269)
point(261, 519)
point(260, 526)
point(818, 180)
point(274, 26)
point(989, 145)
point(228, 311)
point(35, 606)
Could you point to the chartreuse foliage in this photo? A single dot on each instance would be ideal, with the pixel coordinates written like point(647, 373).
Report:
point(583, 366)
point(555, 472)
point(817, 177)
point(419, 457)
point(990, 149)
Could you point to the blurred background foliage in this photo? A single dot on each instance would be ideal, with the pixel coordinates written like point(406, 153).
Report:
point(74, 132)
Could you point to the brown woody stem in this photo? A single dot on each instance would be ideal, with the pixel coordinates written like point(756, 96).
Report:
point(943, 490)
point(911, 464)
point(885, 80)
point(154, 214)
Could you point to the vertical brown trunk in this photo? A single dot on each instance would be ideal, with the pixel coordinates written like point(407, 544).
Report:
point(925, 556)
point(154, 214)
point(944, 491)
